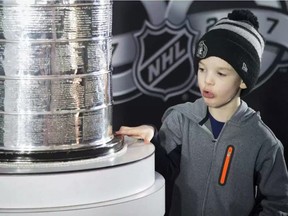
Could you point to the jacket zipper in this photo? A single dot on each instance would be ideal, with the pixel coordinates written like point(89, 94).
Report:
point(215, 141)
point(209, 176)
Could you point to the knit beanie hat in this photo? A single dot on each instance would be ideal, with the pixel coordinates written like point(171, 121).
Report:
point(236, 40)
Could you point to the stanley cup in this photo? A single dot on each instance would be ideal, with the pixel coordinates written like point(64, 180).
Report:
point(55, 76)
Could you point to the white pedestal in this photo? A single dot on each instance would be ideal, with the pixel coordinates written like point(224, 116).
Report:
point(121, 184)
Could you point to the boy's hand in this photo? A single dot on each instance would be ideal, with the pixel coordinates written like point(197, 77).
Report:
point(145, 132)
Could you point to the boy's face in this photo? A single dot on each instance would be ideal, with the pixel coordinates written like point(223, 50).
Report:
point(219, 83)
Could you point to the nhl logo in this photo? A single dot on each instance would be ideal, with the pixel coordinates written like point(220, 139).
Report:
point(201, 50)
point(164, 65)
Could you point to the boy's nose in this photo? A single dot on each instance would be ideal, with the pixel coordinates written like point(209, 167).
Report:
point(209, 79)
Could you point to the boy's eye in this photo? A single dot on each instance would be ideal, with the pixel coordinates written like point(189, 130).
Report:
point(221, 74)
point(200, 69)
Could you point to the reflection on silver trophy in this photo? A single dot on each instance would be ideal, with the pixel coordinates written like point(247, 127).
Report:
point(55, 75)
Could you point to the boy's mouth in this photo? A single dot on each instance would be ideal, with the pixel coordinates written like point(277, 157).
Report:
point(207, 94)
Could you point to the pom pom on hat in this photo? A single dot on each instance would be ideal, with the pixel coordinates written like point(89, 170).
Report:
point(244, 16)
point(236, 40)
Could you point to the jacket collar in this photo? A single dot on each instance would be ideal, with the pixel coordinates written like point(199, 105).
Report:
point(198, 112)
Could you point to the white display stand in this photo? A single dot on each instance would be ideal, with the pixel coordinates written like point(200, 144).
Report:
point(121, 184)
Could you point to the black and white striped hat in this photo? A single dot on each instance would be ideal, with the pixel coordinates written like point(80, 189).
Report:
point(236, 40)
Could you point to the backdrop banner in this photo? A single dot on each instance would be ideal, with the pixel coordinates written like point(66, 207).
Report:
point(153, 44)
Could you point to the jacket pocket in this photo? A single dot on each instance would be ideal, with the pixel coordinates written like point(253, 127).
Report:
point(226, 165)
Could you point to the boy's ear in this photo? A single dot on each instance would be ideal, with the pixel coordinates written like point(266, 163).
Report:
point(243, 85)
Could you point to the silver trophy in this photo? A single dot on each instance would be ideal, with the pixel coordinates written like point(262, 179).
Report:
point(55, 80)
point(58, 154)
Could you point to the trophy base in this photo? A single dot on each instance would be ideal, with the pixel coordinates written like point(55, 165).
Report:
point(121, 184)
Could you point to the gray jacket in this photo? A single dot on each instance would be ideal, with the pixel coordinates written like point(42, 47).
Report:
point(241, 173)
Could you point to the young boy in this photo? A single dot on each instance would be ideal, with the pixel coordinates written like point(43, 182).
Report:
point(217, 156)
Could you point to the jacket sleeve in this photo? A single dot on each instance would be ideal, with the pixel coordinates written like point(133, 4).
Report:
point(168, 153)
point(272, 182)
